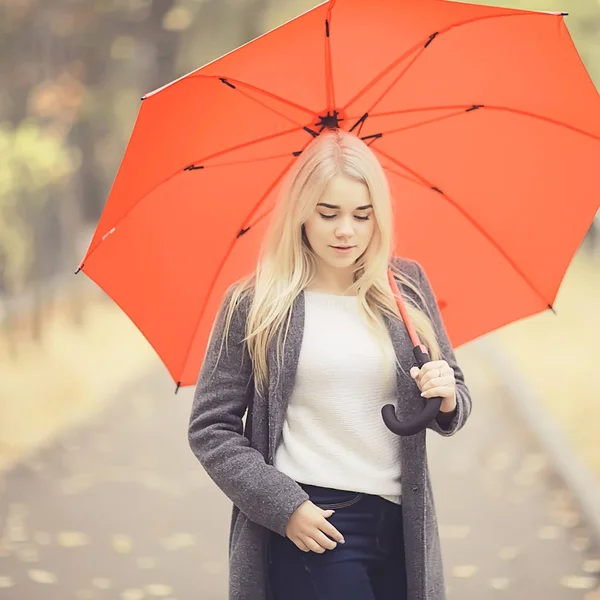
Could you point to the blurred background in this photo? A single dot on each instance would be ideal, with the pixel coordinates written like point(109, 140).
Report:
point(100, 496)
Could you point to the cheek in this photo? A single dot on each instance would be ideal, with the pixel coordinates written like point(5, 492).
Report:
point(369, 230)
point(315, 227)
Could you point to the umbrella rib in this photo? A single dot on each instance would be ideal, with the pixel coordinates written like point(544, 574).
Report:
point(186, 168)
point(421, 45)
point(479, 106)
point(237, 82)
point(404, 176)
point(242, 230)
point(470, 219)
point(420, 109)
point(329, 86)
point(402, 73)
point(247, 144)
point(271, 109)
point(253, 160)
point(427, 122)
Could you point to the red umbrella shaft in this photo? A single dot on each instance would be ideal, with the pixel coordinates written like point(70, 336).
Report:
point(407, 321)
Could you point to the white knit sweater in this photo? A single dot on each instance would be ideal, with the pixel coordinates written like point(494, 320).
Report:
point(333, 434)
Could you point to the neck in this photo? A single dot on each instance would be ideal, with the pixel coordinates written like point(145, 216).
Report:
point(332, 281)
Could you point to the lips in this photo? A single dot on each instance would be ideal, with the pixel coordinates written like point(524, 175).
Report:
point(342, 247)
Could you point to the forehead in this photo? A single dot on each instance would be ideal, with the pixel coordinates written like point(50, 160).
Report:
point(346, 192)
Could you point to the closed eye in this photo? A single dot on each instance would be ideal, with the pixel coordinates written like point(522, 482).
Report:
point(332, 216)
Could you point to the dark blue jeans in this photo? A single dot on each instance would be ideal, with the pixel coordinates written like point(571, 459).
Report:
point(369, 566)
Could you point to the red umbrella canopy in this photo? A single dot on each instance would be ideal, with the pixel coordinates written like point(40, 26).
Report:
point(484, 119)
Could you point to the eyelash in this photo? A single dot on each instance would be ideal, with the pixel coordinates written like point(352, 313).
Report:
point(332, 216)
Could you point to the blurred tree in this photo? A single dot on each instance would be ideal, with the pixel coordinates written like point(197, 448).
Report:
point(36, 164)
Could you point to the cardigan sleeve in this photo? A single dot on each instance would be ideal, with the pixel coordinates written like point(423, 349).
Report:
point(263, 493)
point(446, 424)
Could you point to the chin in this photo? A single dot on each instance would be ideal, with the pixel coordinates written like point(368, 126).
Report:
point(334, 259)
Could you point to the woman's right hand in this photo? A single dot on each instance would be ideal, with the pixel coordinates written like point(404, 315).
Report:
point(307, 528)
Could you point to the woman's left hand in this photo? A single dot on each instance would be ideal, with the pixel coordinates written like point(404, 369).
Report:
point(436, 380)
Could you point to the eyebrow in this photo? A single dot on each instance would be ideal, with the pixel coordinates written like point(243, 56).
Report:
point(335, 206)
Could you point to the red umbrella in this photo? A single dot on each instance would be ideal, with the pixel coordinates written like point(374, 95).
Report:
point(484, 118)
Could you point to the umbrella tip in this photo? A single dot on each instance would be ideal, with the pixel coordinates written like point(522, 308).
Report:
point(79, 268)
point(178, 386)
point(551, 308)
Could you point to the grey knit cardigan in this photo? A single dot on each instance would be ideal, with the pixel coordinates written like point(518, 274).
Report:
point(240, 459)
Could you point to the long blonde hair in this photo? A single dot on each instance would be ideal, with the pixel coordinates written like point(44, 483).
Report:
point(287, 264)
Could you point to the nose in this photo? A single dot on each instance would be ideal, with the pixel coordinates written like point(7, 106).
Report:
point(345, 229)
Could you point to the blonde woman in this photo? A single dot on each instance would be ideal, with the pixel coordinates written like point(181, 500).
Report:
point(329, 504)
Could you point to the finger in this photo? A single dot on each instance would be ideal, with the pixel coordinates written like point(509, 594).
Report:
point(434, 364)
point(435, 367)
point(426, 375)
point(448, 380)
point(301, 545)
point(332, 532)
point(312, 545)
point(324, 541)
point(437, 374)
point(438, 392)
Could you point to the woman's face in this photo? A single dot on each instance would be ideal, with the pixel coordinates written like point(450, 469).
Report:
point(342, 217)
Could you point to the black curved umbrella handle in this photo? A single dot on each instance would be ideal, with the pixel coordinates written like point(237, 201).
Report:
point(432, 407)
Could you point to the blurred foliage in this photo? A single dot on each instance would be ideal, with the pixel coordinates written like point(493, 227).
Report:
point(35, 163)
point(71, 78)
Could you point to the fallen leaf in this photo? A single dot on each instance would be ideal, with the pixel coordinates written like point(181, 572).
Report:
point(509, 552)
point(40, 576)
point(592, 566)
point(6, 581)
point(72, 539)
point(101, 583)
point(132, 594)
point(156, 589)
point(178, 540)
point(580, 543)
point(465, 571)
point(122, 544)
point(549, 532)
point(578, 582)
point(499, 583)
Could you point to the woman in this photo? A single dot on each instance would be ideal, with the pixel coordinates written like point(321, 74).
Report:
point(328, 503)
